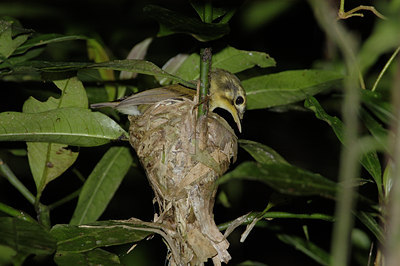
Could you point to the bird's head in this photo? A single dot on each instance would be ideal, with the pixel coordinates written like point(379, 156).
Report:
point(226, 92)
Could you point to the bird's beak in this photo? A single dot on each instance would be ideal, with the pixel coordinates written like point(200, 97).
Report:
point(231, 109)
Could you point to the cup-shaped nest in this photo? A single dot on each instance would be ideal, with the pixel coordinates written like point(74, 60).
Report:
point(183, 156)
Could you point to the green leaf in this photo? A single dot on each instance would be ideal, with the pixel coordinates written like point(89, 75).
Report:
point(16, 213)
point(198, 5)
point(367, 219)
point(235, 60)
point(380, 107)
point(49, 160)
point(98, 54)
point(173, 22)
point(93, 257)
point(8, 42)
point(6, 255)
point(45, 39)
point(101, 185)
point(229, 58)
point(25, 237)
point(384, 38)
point(388, 180)
point(368, 160)
point(130, 65)
point(71, 126)
point(287, 87)
point(18, 59)
point(190, 68)
point(376, 129)
point(73, 238)
point(284, 178)
point(307, 247)
point(260, 152)
point(172, 66)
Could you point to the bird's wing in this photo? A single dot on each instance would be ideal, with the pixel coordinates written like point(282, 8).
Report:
point(158, 94)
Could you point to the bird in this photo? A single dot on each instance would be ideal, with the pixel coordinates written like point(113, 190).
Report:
point(225, 92)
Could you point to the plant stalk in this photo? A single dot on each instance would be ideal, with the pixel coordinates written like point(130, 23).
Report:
point(10, 176)
point(349, 160)
point(205, 63)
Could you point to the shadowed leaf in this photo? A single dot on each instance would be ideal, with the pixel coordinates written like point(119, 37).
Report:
point(101, 185)
point(285, 178)
point(173, 22)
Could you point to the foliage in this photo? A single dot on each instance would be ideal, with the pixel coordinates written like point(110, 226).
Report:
point(64, 138)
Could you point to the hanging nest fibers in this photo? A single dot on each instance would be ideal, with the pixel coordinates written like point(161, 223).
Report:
point(183, 156)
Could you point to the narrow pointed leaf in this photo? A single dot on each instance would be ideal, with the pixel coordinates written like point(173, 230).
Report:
point(368, 160)
point(368, 220)
point(130, 65)
point(307, 247)
point(101, 185)
point(45, 39)
point(71, 126)
point(287, 87)
point(284, 178)
point(376, 129)
point(74, 238)
point(260, 152)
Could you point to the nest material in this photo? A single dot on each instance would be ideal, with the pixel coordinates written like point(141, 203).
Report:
point(183, 156)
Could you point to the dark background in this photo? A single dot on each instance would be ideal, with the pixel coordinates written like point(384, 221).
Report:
point(291, 37)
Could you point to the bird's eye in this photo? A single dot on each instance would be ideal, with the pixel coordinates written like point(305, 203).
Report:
point(239, 100)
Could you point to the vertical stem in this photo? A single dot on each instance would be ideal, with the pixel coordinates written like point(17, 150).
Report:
point(349, 165)
point(205, 63)
point(392, 245)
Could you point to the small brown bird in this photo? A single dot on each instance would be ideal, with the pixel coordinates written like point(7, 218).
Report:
point(225, 92)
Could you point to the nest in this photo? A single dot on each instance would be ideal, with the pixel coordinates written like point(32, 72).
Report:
point(183, 156)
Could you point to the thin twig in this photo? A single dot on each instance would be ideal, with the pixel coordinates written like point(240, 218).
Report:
point(10, 176)
point(67, 198)
point(353, 12)
point(385, 68)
